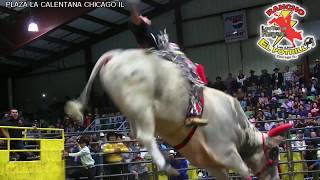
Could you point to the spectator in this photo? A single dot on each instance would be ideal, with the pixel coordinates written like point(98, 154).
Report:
point(87, 120)
point(15, 120)
point(288, 77)
point(288, 103)
point(276, 91)
point(302, 112)
point(242, 99)
point(252, 119)
point(139, 169)
point(316, 69)
point(310, 124)
point(298, 77)
point(180, 164)
point(299, 124)
point(308, 107)
point(99, 156)
point(304, 90)
point(295, 108)
point(314, 88)
point(265, 79)
point(241, 78)
point(263, 99)
point(313, 162)
point(113, 152)
point(260, 117)
point(88, 170)
point(219, 84)
point(274, 115)
point(253, 89)
point(315, 110)
point(128, 157)
point(96, 113)
point(298, 142)
point(252, 79)
point(230, 83)
point(315, 137)
point(277, 78)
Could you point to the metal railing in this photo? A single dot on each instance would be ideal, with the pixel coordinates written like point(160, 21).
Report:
point(154, 173)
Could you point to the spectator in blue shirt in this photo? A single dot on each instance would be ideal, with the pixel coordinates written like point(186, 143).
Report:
point(180, 164)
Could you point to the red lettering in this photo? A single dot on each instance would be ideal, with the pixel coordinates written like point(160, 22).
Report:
point(301, 12)
point(289, 7)
point(269, 12)
point(275, 9)
point(281, 7)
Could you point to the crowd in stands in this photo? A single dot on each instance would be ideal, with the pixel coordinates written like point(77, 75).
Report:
point(281, 95)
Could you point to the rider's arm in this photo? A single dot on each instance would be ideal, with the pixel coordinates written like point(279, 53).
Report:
point(135, 15)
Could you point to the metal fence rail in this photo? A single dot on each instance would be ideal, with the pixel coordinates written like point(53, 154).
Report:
point(155, 174)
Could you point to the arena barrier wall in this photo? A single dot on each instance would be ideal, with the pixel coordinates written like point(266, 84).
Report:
point(51, 166)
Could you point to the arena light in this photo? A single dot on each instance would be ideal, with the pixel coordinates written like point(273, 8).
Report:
point(33, 27)
point(44, 95)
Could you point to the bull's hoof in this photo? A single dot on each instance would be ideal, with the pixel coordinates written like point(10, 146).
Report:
point(171, 171)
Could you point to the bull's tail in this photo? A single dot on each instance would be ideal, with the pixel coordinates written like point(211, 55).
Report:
point(75, 108)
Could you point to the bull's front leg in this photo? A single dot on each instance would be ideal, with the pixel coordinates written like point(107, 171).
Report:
point(145, 130)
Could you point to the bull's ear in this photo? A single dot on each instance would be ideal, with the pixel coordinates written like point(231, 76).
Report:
point(276, 135)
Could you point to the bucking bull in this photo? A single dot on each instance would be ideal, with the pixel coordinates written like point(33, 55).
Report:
point(153, 94)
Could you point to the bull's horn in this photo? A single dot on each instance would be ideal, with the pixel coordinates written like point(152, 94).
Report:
point(280, 129)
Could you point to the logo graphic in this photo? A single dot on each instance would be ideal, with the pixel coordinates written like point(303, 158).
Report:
point(281, 36)
point(235, 26)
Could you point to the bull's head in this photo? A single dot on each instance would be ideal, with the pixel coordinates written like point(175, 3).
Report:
point(266, 164)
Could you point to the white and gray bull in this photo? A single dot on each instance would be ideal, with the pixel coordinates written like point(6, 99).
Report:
point(154, 96)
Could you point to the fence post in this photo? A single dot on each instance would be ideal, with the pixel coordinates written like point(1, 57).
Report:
point(154, 171)
point(289, 154)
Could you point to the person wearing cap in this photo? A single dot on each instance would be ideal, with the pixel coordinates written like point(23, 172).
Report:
point(88, 168)
point(277, 78)
point(180, 164)
point(265, 79)
point(157, 42)
point(316, 69)
point(252, 79)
